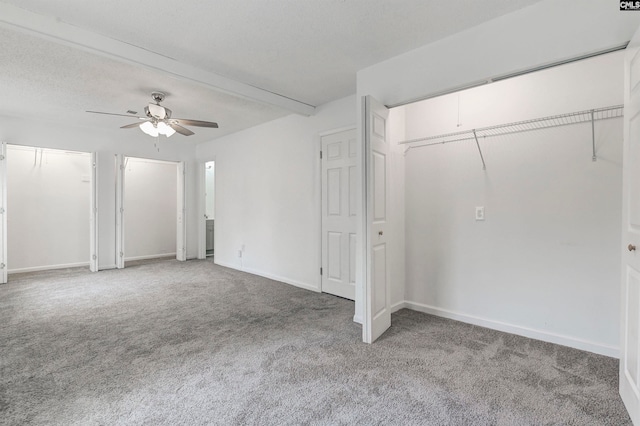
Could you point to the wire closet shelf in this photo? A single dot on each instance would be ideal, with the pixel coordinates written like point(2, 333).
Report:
point(591, 115)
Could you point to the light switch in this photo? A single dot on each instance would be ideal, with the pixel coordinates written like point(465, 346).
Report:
point(480, 213)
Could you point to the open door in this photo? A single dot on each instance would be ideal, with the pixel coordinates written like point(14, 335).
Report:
point(181, 231)
point(630, 309)
point(120, 166)
point(377, 308)
point(3, 213)
point(93, 216)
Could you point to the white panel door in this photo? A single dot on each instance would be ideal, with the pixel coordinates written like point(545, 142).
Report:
point(377, 318)
point(120, 166)
point(630, 310)
point(339, 214)
point(93, 216)
point(181, 230)
point(3, 213)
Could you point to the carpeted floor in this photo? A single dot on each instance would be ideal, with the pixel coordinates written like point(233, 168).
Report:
point(172, 343)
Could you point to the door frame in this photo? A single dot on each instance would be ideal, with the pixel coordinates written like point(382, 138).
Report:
point(318, 144)
point(202, 206)
point(181, 204)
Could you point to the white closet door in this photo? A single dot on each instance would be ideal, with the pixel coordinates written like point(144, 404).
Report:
point(181, 230)
point(93, 215)
point(630, 332)
point(3, 213)
point(120, 169)
point(377, 318)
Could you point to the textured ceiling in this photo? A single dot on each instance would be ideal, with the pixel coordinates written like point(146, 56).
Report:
point(306, 50)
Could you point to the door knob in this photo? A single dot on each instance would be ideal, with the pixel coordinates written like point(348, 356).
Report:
point(380, 233)
point(631, 247)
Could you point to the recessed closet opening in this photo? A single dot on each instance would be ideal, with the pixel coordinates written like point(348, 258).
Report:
point(151, 210)
point(49, 198)
point(512, 204)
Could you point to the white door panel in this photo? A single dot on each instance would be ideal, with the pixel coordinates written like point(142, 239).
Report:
point(3, 213)
point(339, 213)
point(377, 318)
point(630, 309)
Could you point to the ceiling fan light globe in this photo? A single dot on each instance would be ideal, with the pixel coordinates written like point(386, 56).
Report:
point(165, 129)
point(149, 129)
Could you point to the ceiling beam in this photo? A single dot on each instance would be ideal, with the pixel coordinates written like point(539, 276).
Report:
point(53, 29)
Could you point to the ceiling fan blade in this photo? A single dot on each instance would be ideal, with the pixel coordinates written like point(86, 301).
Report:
point(181, 129)
point(120, 115)
point(132, 125)
point(198, 123)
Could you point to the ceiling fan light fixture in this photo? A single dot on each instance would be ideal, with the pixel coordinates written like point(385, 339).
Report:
point(165, 129)
point(149, 129)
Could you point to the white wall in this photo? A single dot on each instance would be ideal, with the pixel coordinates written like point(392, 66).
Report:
point(150, 208)
point(210, 185)
point(48, 193)
point(546, 261)
point(268, 194)
point(106, 144)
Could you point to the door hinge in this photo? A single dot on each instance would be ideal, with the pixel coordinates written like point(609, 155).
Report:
point(2, 265)
point(1, 157)
point(94, 257)
point(321, 155)
point(320, 271)
point(121, 254)
point(1, 211)
point(121, 209)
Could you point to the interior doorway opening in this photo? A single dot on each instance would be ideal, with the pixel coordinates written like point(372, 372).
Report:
point(209, 215)
point(50, 209)
point(150, 210)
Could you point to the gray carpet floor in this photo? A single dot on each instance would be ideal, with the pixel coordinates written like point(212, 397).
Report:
point(191, 343)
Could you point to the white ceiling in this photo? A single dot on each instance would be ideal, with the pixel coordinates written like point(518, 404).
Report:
point(308, 51)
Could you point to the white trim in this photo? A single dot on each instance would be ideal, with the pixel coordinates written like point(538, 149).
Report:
point(48, 267)
point(201, 185)
point(150, 256)
point(357, 319)
point(294, 283)
point(532, 333)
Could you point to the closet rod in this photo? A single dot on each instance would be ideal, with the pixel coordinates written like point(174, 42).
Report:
point(520, 126)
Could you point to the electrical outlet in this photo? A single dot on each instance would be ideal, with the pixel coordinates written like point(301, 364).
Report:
point(480, 213)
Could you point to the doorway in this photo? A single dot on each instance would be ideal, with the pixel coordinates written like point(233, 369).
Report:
point(209, 215)
point(150, 210)
point(51, 214)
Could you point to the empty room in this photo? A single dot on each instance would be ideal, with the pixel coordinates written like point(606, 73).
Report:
point(338, 212)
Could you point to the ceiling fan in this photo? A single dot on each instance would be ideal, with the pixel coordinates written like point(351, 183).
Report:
point(158, 120)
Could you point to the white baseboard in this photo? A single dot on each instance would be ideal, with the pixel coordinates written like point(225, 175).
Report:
point(107, 267)
point(149, 256)
point(285, 280)
point(357, 318)
point(573, 342)
point(47, 267)
point(397, 306)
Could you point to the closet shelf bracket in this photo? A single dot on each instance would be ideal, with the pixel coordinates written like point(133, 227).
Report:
point(484, 166)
